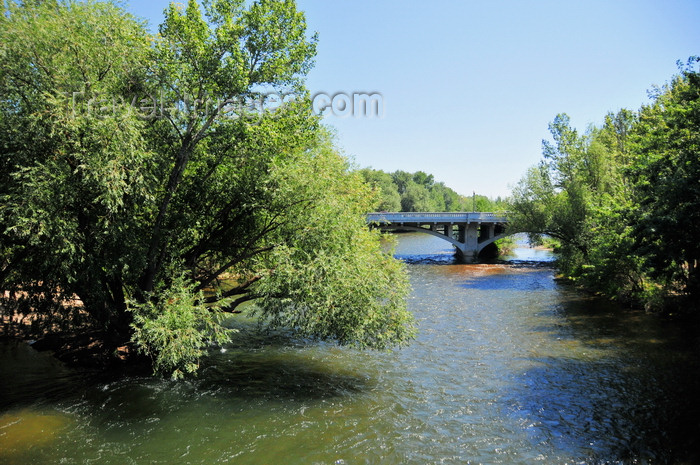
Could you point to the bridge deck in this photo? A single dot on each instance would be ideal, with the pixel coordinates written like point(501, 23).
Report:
point(437, 217)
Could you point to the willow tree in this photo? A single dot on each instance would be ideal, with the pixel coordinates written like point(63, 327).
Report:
point(139, 170)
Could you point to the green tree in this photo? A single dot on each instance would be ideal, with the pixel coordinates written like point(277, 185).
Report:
point(402, 179)
point(578, 195)
point(445, 196)
point(141, 169)
point(623, 198)
point(416, 198)
point(666, 175)
point(390, 199)
point(410, 192)
point(423, 179)
point(484, 204)
point(613, 267)
point(554, 197)
point(73, 184)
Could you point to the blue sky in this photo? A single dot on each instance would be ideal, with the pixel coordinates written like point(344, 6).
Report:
point(469, 87)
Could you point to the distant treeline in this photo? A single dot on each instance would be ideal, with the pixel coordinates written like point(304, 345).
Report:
point(401, 191)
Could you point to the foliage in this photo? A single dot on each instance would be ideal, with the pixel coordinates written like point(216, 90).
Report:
point(174, 328)
point(71, 191)
point(334, 279)
point(506, 245)
point(418, 192)
point(139, 169)
point(666, 175)
point(623, 199)
point(383, 183)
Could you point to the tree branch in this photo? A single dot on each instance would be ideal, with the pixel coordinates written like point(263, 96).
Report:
point(240, 289)
point(152, 265)
point(231, 308)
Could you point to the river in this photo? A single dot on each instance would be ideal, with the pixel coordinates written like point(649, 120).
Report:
point(509, 367)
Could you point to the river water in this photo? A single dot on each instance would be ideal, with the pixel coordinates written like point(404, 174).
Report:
point(509, 367)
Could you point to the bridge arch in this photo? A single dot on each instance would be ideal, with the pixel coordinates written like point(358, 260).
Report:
point(451, 240)
point(483, 244)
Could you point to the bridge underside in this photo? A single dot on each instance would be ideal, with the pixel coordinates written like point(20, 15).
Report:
point(468, 238)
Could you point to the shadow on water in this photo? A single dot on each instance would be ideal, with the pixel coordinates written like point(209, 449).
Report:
point(623, 388)
point(612, 418)
point(258, 367)
point(230, 385)
point(238, 398)
point(259, 363)
point(28, 377)
point(284, 377)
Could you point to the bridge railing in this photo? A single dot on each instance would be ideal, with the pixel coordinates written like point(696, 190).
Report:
point(437, 217)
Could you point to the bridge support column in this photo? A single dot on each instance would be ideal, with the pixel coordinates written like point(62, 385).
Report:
point(469, 246)
point(448, 230)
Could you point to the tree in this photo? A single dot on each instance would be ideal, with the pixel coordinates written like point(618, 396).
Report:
point(416, 198)
point(390, 199)
point(554, 197)
point(423, 179)
point(446, 197)
point(624, 198)
point(73, 184)
point(403, 191)
point(140, 170)
point(577, 195)
point(666, 175)
point(402, 179)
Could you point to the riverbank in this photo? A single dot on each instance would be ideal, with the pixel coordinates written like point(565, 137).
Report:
point(71, 337)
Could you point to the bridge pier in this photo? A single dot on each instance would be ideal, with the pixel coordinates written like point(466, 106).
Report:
point(465, 256)
point(468, 247)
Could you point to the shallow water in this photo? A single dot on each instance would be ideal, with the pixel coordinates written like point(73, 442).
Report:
point(508, 367)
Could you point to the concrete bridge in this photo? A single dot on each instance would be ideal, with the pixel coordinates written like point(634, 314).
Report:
point(470, 233)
